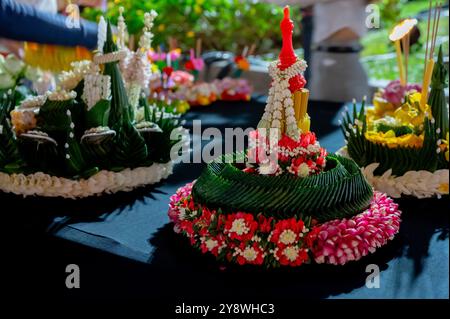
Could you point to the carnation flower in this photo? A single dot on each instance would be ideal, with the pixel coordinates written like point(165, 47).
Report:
point(252, 254)
point(287, 232)
point(213, 245)
point(240, 226)
point(291, 255)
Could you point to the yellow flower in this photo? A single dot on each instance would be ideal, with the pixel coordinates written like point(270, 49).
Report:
point(444, 147)
point(161, 27)
point(190, 34)
point(443, 188)
point(390, 140)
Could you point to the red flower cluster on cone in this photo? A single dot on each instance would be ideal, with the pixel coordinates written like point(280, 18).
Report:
point(301, 158)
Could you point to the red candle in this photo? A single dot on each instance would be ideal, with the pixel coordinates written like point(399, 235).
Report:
point(287, 54)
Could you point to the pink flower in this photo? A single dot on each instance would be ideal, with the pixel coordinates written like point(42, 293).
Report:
point(395, 93)
point(340, 241)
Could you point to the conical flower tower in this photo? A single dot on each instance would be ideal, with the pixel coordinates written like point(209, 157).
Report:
point(287, 103)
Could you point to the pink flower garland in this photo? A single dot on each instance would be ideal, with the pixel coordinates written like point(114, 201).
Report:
point(340, 241)
point(246, 238)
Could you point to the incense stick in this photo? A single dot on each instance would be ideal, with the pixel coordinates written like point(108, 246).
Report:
point(438, 9)
point(428, 37)
point(406, 45)
point(432, 30)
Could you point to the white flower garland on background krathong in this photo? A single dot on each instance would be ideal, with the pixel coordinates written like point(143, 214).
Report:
point(281, 97)
point(420, 184)
point(96, 87)
point(61, 95)
point(68, 80)
point(33, 101)
point(41, 184)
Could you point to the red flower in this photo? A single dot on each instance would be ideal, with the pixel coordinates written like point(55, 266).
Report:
point(189, 66)
point(240, 226)
point(252, 254)
point(296, 83)
point(249, 170)
point(320, 161)
point(212, 244)
point(307, 139)
point(291, 256)
point(312, 236)
point(188, 227)
point(287, 232)
point(168, 70)
point(288, 142)
point(204, 221)
point(265, 224)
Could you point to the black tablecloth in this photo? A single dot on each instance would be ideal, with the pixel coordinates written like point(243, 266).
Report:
point(125, 246)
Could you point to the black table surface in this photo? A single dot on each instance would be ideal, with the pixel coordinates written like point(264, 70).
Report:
point(125, 246)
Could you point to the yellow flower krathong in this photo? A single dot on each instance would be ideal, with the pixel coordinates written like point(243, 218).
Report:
point(410, 114)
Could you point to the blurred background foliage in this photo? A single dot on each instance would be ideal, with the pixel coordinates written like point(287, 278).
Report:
point(226, 25)
point(230, 25)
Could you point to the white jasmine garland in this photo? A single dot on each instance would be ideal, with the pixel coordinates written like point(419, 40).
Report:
point(121, 29)
point(69, 80)
point(96, 87)
point(145, 42)
point(420, 184)
point(61, 95)
point(110, 57)
point(41, 184)
point(281, 97)
point(101, 35)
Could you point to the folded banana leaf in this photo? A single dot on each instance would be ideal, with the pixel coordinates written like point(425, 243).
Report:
point(437, 99)
point(98, 145)
point(40, 152)
point(341, 191)
point(400, 159)
point(98, 115)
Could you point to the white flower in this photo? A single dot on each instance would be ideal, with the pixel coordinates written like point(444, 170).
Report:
point(267, 168)
point(303, 170)
point(211, 244)
point(6, 80)
point(13, 65)
point(239, 227)
point(287, 237)
point(291, 253)
point(250, 253)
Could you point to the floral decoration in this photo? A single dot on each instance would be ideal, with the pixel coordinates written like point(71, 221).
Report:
point(301, 157)
point(249, 238)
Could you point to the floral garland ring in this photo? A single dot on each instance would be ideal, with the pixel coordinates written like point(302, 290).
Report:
point(104, 182)
point(419, 184)
point(245, 238)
